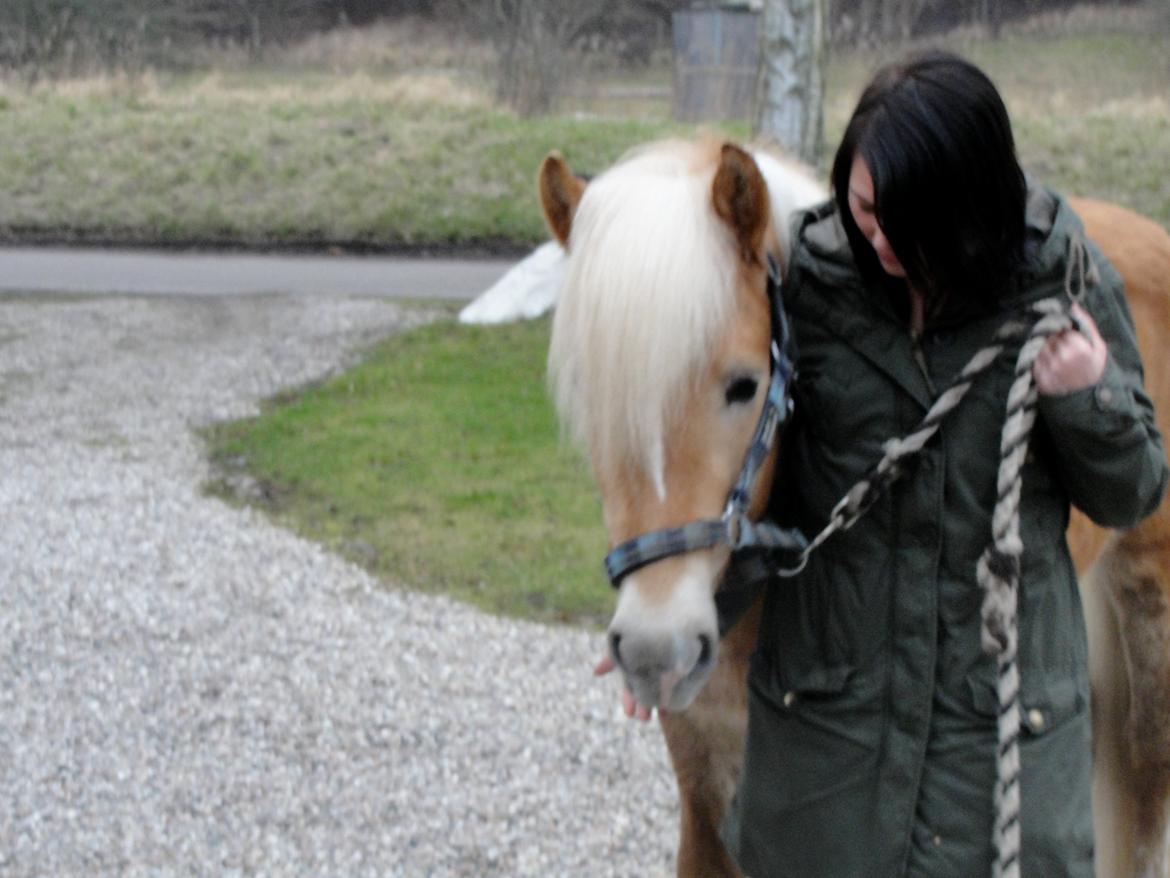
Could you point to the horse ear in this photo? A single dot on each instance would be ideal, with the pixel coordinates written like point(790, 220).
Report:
point(740, 196)
point(560, 192)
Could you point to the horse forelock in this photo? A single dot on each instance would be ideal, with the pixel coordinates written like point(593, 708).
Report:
point(647, 295)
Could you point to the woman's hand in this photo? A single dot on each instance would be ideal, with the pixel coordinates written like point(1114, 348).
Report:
point(630, 707)
point(1071, 360)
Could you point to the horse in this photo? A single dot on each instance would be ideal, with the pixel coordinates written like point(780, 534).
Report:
point(660, 338)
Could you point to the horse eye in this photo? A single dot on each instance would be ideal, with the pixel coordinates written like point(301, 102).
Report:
point(741, 390)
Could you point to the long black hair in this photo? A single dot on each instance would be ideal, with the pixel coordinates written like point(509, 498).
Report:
point(949, 193)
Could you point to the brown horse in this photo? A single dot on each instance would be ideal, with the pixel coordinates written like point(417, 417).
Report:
point(662, 318)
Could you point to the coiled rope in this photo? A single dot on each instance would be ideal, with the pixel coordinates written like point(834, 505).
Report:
point(998, 569)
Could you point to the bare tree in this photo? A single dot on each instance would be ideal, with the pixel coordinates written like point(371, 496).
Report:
point(532, 40)
point(790, 102)
point(36, 36)
point(991, 12)
point(255, 23)
point(50, 38)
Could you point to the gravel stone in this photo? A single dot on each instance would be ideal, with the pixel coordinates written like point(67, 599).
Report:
point(187, 689)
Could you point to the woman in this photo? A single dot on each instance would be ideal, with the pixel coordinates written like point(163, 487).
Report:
point(871, 747)
point(872, 742)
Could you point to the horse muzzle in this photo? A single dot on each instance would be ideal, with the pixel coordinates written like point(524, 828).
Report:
point(666, 649)
point(665, 671)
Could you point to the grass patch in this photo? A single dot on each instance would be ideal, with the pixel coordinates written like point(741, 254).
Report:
point(437, 463)
point(270, 160)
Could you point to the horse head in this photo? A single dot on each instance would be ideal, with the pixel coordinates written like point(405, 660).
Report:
point(660, 365)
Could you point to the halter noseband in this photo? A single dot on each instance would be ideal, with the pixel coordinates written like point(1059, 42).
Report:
point(733, 528)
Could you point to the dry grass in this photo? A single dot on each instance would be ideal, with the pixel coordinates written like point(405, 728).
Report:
point(1082, 20)
point(400, 46)
point(407, 89)
point(307, 159)
point(411, 44)
point(226, 88)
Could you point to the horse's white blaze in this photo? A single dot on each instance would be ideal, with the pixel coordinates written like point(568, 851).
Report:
point(688, 605)
point(657, 464)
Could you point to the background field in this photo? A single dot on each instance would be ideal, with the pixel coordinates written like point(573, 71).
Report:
point(356, 140)
point(437, 462)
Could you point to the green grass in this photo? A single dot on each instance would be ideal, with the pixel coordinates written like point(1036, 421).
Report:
point(437, 463)
point(262, 163)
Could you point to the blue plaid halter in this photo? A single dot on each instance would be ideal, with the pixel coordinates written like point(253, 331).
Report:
point(733, 528)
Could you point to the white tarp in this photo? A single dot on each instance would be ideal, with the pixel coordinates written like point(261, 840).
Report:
point(529, 288)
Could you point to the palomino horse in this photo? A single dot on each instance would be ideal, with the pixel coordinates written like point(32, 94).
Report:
point(660, 341)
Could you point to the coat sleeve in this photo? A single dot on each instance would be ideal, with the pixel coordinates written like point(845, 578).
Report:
point(1109, 452)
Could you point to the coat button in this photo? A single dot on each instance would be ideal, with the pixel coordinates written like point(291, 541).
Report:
point(1104, 396)
point(789, 699)
point(1036, 720)
point(937, 841)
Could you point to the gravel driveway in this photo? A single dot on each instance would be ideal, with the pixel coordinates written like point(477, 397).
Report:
point(186, 689)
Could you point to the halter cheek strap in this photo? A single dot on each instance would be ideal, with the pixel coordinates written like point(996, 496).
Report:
point(733, 528)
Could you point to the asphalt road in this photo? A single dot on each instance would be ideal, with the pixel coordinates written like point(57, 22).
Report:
point(97, 271)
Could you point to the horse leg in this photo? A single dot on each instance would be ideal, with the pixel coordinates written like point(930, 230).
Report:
point(1132, 716)
point(1112, 804)
point(706, 744)
point(689, 738)
point(1141, 594)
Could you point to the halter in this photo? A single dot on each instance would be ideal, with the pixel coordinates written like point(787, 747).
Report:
point(733, 528)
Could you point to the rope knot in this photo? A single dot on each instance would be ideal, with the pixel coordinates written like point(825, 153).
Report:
point(998, 573)
point(1003, 565)
point(1080, 263)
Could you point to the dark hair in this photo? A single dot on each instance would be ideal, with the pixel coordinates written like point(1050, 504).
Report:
point(948, 190)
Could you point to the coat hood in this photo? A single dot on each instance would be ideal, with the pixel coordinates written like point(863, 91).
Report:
point(1055, 255)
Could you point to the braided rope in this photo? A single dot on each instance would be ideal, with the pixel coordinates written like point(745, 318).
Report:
point(998, 574)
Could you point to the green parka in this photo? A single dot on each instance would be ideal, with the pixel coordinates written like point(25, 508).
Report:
point(871, 737)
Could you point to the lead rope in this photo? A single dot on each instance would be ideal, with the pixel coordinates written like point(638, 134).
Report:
point(998, 574)
point(887, 470)
point(998, 569)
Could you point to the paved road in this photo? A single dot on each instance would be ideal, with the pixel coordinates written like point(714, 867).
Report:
point(25, 269)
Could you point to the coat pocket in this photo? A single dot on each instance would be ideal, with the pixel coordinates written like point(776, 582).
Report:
point(1056, 768)
point(806, 799)
point(1046, 701)
point(820, 728)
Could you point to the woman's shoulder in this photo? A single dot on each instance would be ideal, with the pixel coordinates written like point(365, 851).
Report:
point(820, 249)
point(1057, 252)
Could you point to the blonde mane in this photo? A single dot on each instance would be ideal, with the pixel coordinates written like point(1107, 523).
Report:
point(649, 290)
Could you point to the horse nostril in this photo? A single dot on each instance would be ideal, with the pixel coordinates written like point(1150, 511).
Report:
point(615, 642)
point(704, 649)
